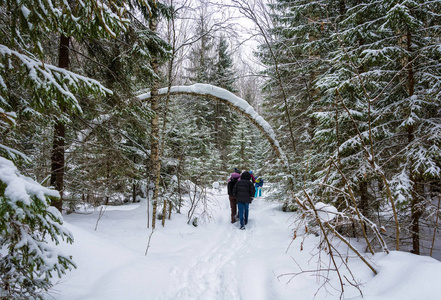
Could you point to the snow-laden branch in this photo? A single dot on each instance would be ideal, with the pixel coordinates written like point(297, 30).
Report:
point(233, 101)
point(46, 78)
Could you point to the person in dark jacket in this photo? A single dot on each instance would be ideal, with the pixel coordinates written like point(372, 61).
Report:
point(244, 192)
point(233, 203)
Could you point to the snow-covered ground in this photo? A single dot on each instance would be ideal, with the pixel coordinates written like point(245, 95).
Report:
point(216, 260)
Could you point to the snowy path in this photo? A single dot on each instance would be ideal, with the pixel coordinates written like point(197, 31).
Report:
point(217, 261)
point(213, 261)
point(212, 272)
point(219, 270)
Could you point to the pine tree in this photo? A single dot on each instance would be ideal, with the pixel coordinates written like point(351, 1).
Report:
point(52, 89)
point(413, 101)
point(202, 70)
point(372, 76)
point(32, 88)
point(224, 77)
point(382, 79)
point(28, 262)
point(115, 130)
point(241, 149)
point(295, 54)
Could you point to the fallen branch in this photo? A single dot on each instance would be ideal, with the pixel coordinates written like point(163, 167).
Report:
point(148, 243)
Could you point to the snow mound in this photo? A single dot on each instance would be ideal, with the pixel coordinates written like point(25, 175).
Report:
point(326, 212)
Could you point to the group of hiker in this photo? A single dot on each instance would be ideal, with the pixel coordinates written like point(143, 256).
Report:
point(242, 188)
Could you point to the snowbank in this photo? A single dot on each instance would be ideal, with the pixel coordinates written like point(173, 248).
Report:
point(403, 276)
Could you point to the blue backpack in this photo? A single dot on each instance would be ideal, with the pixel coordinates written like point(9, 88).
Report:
point(259, 181)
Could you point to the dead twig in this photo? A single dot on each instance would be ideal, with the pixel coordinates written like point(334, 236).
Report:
point(149, 240)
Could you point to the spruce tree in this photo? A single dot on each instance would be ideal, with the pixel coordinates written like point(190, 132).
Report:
point(202, 70)
point(225, 122)
point(382, 79)
point(372, 100)
point(240, 151)
point(114, 132)
point(27, 222)
point(33, 88)
point(295, 54)
point(51, 88)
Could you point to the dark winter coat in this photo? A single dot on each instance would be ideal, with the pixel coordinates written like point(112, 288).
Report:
point(244, 189)
point(231, 185)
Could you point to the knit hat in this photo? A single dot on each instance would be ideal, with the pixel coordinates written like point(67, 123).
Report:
point(235, 175)
point(245, 175)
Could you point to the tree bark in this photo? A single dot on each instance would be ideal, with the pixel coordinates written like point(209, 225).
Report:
point(172, 40)
point(416, 212)
point(364, 198)
point(134, 184)
point(58, 145)
point(415, 203)
point(164, 212)
point(155, 149)
point(416, 209)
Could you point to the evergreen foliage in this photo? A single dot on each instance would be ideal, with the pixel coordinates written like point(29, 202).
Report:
point(352, 89)
point(211, 63)
point(241, 148)
point(111, 151)
point(362, 80)
point(107, 133)
point(27, 222)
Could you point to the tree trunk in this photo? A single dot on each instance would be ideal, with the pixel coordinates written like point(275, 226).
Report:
point(416, 212)
point(364, 198)
point(57, 156)
point(134, 193)
point(415, 204)
point(178, 175)
point(172, 40)
point(164, 212)
point(134, 185)
point(416, 209)
point(154, 105)
point(364, 202)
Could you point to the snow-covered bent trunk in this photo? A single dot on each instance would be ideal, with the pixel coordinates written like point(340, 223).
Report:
point(237, 104)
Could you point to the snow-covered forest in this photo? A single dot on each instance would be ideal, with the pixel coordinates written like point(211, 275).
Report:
point(121, 122)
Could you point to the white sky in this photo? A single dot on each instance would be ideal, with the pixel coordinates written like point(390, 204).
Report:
point(225, 19)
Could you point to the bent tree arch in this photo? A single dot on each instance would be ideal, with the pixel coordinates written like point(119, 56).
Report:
point(237, 104)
